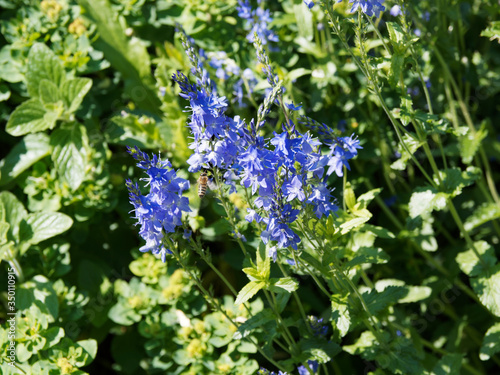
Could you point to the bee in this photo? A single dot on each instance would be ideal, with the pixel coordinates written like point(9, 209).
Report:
point(202, 184)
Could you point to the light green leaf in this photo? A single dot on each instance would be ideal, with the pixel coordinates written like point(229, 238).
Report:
point(412, 144)
point(53, 336)
point(483, 214)
point(364, 342)
point(341, 318)
point(43, 64)
point(49, 92)
point(297, 73)
point(30, 117)
point(90, 347)
point(252, 273)
point(73, 91)
point(32, 148)
point(14, 212)
point(40, 226)
point(425, 201)
point(469, 144)
point(487, 287)
point(70, 153)
point(304, 19)
point(287, 283)
point(248, 291)
point(263, 261)
point(469, 262)
point(450, 364)
point(396, 33)
point(491, 343)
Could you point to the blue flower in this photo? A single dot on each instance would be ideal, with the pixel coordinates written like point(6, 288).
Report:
point(309, 3)
point(395, 11)
point(257, 21)
point(160, 211)
point(313, 365)
point(368, 7)
point(293, 107)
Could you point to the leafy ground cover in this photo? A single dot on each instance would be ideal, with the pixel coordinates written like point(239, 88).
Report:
point(349, 219)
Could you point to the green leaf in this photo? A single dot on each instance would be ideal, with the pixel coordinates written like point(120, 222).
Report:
point(286, 283)
point(30, 117)
point(70, 153)
point(254, 323)
point(252, 274)
point(396, 33)
point(469, 262)
point(53, 336)
point(412, 145)
point(368, 255)
point(483, 214)
point(49, 92)
point(450, 364)
point(412, 293)
point(40, 226)
point(349, 197)
point(263, 261)
point(341, 318)
point(365, 199)
point(469, 144)
point(132, 130)
point(365, 342)
point(378, 301)
point(297, 73)
point(127, 55)
point(491, 343)
point(43, 64)
point(454, 180)
point(425, 200)
point(73, 91)
point(32, 148)
point(14, 212)
point(487, 287)
point(248, 291)
point(90, 347)
point(492, 31)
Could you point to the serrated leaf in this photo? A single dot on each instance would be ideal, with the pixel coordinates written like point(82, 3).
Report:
point(73, 91)
point(378, 301)
point(491, 343)
point(263, 261)
point(450, 364)
point(30, 117)
point(248, 291)
point(454, 180)
point(252, 273)
point(285, 283)
point(487, 287)
point(483, 214)
point(32, 148)
point(40, 226)
point(43, 64)
point(69, 155)
point(396, 34)
point(469, 262)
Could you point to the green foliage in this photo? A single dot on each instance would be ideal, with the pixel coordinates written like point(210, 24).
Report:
point(405, 275)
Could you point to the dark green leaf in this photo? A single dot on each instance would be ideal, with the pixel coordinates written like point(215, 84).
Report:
point(487, 287)
point(450, 364)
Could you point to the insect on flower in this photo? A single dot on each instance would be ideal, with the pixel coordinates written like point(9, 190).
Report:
point(202, 184)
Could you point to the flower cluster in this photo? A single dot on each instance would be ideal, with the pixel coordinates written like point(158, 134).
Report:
point(286, 171)
point(215, 135)
point(160, 211)
point(368, 7)
point(257, 21)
